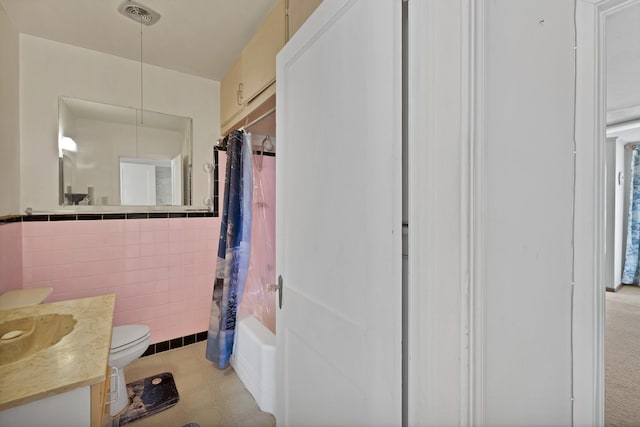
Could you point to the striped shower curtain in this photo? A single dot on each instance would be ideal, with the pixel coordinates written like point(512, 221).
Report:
point(631, 262)
point(233, 248)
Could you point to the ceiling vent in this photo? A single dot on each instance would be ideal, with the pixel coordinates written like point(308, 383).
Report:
point(139, 12)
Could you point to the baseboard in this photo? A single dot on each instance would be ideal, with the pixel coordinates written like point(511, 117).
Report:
point(159, 347)
point(616, 289)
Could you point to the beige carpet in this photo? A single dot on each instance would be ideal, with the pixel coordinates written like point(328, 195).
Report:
point(622, 358)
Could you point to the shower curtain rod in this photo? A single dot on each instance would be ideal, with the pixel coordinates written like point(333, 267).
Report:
point(221, 146)
point(256, 150)
point(259, 119)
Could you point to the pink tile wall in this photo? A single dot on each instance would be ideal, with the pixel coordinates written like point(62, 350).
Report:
point(10, 256)
point(161, 270)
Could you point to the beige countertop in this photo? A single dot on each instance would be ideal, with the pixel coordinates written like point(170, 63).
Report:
point(78, 359)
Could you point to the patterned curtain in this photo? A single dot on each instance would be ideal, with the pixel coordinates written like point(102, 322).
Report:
point(233, 248)
point(631, 267)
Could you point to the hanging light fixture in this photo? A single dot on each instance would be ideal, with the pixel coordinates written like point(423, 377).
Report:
point(139, 12)
point(141, 79)
point(147, 16)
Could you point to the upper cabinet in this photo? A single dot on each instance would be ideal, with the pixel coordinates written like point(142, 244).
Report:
point(231, 94)
point(259, 55)
point(250, 82)
point(298, 12)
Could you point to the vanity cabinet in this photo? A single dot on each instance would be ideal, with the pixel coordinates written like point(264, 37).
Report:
point(251, 79)
point(82, 407)
point(98, 395)
point(66, 383)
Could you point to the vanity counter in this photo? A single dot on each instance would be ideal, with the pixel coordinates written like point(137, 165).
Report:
point(79, 359)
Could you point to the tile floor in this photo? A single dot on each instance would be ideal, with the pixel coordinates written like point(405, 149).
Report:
point(208, 396)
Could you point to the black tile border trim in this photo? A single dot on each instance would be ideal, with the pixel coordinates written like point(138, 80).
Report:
point(138, 216)
point(174, 343)
point(106, 216)
point(30, 218)
point(87, 217)
point(65, 217)
point(114, 216)
point(199, 214)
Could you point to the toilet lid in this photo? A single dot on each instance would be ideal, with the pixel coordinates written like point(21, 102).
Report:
point(127, 334)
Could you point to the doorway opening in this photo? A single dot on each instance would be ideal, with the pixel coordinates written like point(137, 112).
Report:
point(605, 359)
point(622, 209)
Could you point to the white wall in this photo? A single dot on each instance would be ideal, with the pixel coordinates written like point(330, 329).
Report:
point(108, 141)
point(610, 213)
point(615, 232)
point(49, 69)
point(626, 200)
point(528, 163)
point(438, 172)
point(619, 212)
point(9, 118)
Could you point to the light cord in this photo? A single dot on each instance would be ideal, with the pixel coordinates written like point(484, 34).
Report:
point(141, 79)
point(573, 205)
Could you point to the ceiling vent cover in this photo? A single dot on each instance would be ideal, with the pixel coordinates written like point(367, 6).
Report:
point(139, 12)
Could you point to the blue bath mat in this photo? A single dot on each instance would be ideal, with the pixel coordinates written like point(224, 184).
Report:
point(149, 396)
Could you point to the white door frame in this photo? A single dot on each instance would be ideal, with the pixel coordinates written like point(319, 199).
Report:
point(441, 211)
point(446, 170)
point(589, 299)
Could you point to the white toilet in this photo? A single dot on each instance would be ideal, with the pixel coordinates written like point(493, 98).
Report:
point(128, 342)
point(23, 297)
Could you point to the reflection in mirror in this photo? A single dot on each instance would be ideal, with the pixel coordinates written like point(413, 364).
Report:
point(119, 156)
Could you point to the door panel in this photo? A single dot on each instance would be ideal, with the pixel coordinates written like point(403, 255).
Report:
point(176, 181)
point(137, 184)
point(339, 217)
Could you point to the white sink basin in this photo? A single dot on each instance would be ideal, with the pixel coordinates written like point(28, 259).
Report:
point(20, 338)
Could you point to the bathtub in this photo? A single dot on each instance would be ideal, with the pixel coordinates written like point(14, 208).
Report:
point(254, 360)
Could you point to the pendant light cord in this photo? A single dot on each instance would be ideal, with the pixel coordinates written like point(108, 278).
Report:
point(141, 79)
point(573, 207)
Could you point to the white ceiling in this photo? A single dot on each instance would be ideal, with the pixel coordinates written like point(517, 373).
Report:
point(199, 37)
point(204, 37)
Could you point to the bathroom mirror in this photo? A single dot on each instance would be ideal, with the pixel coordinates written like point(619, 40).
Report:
point(111, 155)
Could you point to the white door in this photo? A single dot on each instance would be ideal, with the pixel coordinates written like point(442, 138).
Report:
point(339, 221)
point(176, 180)
point(137, 184)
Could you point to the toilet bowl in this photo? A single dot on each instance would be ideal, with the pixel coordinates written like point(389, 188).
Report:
point(128, 342)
